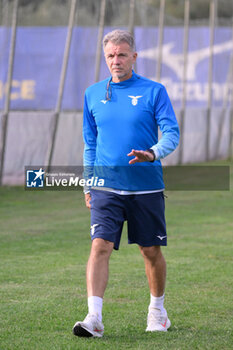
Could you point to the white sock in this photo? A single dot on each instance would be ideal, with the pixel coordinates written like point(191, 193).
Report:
point(156, 302)
point(95, 305)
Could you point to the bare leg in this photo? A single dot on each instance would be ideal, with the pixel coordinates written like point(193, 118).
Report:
point(97, 267)
point(155, 266)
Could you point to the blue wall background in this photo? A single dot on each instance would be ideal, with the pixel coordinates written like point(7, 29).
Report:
point(39, 55)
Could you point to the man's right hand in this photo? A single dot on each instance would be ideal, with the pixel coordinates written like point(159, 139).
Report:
point(87, 200)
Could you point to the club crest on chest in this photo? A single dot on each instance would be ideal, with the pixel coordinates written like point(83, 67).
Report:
point(134, 100)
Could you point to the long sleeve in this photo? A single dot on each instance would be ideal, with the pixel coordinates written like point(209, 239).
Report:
point(89, 137)
point(168, 125)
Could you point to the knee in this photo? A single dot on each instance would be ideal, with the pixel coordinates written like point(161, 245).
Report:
point(100, 247)
point(150, 253)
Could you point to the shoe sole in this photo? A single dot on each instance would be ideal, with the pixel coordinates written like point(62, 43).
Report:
point(81, 331)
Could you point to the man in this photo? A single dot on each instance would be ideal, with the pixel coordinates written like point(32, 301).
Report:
point(120, 128)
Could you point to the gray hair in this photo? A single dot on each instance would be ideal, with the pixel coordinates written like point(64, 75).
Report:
point(118, 36)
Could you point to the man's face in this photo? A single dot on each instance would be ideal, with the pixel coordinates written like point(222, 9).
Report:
point(120, 59)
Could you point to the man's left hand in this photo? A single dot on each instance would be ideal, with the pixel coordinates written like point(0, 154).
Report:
point(141, 156)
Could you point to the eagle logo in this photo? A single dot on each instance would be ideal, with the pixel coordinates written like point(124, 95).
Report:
point(134, 100)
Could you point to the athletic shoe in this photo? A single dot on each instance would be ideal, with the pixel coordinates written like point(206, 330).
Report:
point(157, 321)
point(90, 327)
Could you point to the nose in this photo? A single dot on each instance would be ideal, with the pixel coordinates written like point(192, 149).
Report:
point(116, 59)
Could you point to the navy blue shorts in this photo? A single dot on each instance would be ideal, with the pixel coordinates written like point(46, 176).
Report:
point(144, 213)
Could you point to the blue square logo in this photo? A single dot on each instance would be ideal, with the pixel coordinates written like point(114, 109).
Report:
point(35, 178)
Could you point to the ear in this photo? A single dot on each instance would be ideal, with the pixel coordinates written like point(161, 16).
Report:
point(135, 55)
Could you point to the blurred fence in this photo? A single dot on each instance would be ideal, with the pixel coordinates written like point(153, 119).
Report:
point(50, 51)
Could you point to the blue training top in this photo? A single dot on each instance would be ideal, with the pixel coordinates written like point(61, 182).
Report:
point(128, 120)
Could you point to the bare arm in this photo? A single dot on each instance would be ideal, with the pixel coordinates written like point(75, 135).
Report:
point(87, 200)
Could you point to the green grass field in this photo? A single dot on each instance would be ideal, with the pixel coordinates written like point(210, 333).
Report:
point(44, 246)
